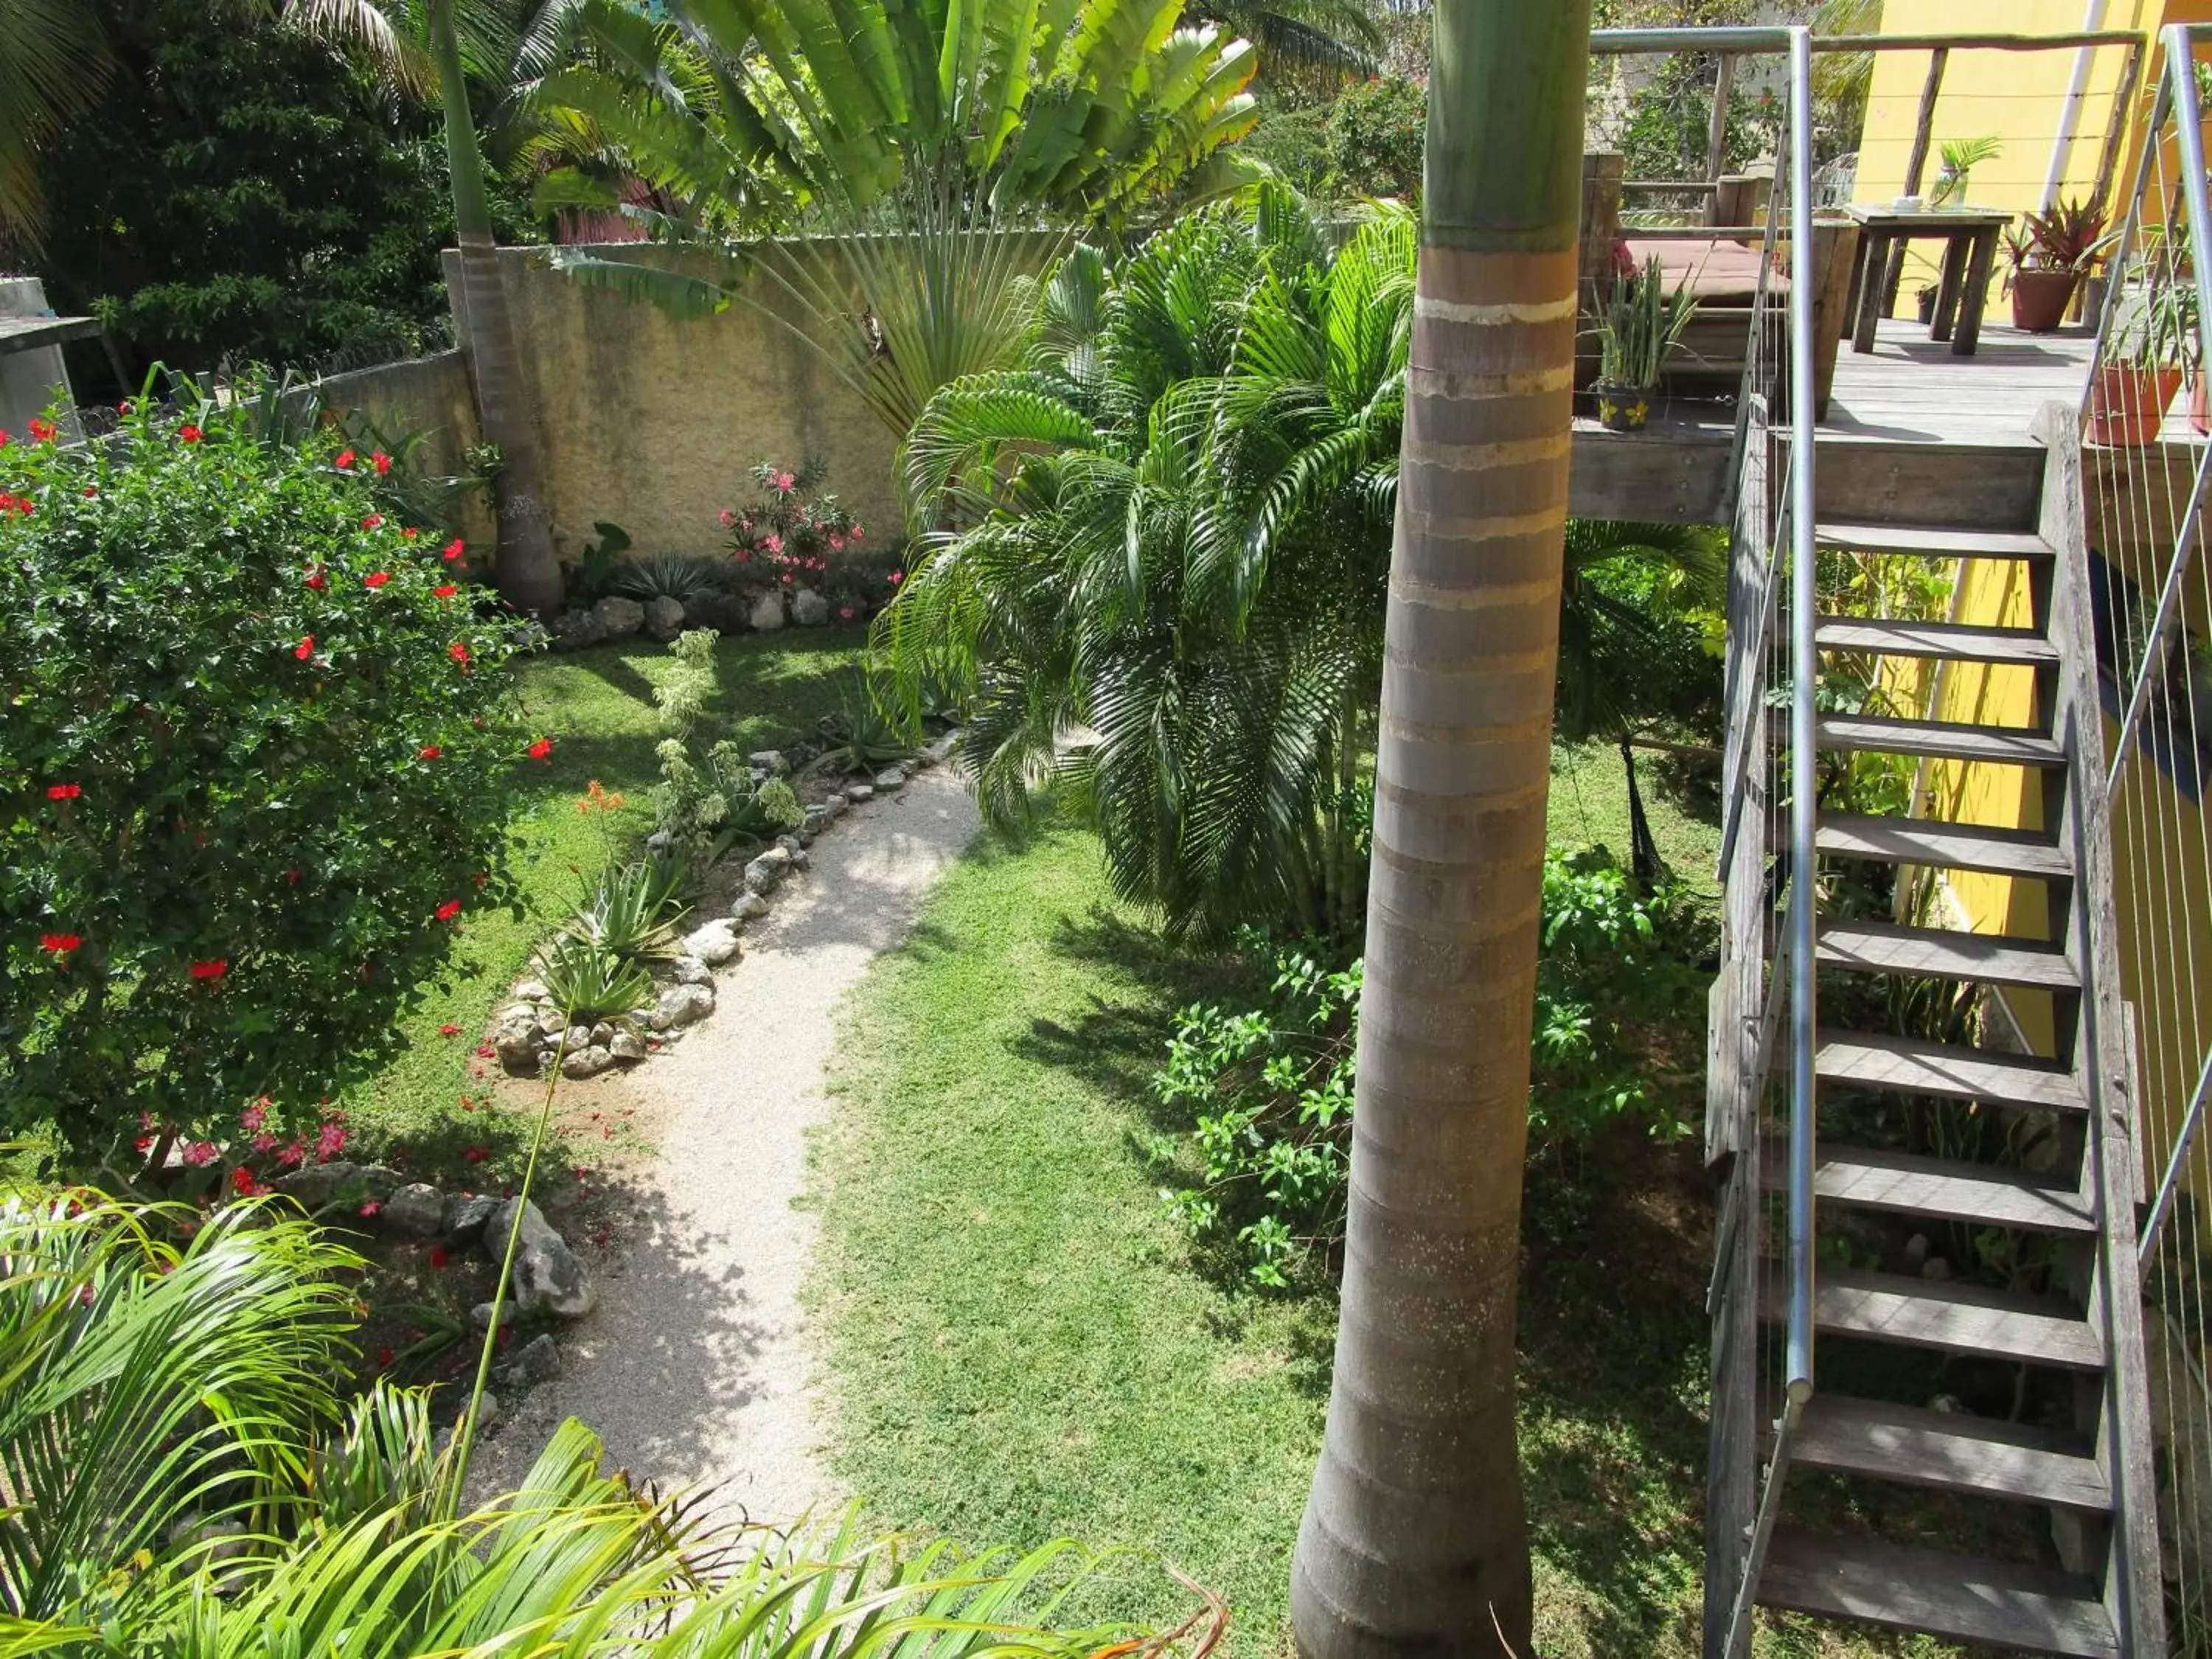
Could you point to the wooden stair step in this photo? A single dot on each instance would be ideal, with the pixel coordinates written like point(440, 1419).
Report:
point(1945, 642)
point(1938, 740)
point(1940, 1314)
point(1885, 947)
point(1912, 1066)
point(1997, 1604)
point(1932, 542)
point(1948, 1451)
point(1935, 842)
point(1937, 1190)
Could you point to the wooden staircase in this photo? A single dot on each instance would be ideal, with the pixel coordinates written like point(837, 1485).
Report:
point(2088, 1583)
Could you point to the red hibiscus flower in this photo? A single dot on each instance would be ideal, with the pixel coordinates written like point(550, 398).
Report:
point(448, 910)
point(898, 576)
point(475, 1154)
point(372, 1208)
point(63, 791)
point(376, 579)
point(292, 876)
point(373, 521)
point(344, 460)
point(458, 652)
point(428, 752)
point(44, 432)
point(449, 1030)
point(306, 649)
point(60, 944)
point(381, 462)
point(214, 968)
point(453, 549)
point(541, 750)
point(190, 434)
point(243, 1183)
point(318, 579)
point(409, 533)
point(444, 591)
point(290, 1155)
point(845, 613)
point(438, 1258)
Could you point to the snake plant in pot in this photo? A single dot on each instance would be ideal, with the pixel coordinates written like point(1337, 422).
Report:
point(1636, 330)
point(2152, 349)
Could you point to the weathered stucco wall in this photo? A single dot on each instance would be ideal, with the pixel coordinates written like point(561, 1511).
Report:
point(430, 396)
point(653, 423)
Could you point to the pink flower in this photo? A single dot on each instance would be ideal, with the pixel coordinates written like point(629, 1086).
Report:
point(837, 543)
point(844, 613)
point(373, 521)
point(255, 1116)
point(729, 519)
point(773, 542)
point(896, 577)
point(858, 532)
point(199, 1152)
point(290, 1155)
point(372, 1209)
point(783, 483)
point(331, 1142)
point(263, 1142)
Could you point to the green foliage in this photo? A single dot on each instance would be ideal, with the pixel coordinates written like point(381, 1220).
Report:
point(190, 1483)
point(599, 567)
point(1960, 156)
point(1173, 527)
point(667, 575)
point(1637, 603)
point(1670, 122)
point(792, 534)
point(631, 910)
point(861, 737)
point(1269, 1089)
point(1373, 143)
point(253, 771)
point(238, 192)
point(592, 981)
point(711, 803)
point(684, 695)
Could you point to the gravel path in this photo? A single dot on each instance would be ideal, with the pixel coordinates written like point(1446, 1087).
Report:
point(694, 1369)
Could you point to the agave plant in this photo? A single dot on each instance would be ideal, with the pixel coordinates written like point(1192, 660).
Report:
point(861, 737)
point(184, 1478)
point(591, 982)
point(667, 575)
point(631, 910)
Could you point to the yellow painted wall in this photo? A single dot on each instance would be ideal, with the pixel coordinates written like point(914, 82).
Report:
point(2018, 97)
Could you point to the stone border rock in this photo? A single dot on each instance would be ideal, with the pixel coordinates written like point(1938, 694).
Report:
point(760, 609)
point(529, 1031)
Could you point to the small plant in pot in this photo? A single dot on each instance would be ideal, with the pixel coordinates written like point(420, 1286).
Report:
point(2153, 348)
point(1636, 330)
point(2049, 256)
point(1960, 156)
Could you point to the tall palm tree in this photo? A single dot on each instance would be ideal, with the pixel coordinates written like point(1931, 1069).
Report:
point(529, 572)
point(1415, 1539)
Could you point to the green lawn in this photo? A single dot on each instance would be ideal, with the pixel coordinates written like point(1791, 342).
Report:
point(1020, 1345)
point(1589, 808)
point(598, 707)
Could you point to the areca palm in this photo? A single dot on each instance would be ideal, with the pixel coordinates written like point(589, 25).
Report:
point(184, 1481)
point(937, 153)
point(1170, 530)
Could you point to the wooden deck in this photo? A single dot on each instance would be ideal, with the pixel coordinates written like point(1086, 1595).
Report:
point(1894, 413)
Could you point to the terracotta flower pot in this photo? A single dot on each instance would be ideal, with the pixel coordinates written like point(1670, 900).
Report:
point(1622, 408)
point(2039, 299)
point(2127, 405)
point(2200, 404)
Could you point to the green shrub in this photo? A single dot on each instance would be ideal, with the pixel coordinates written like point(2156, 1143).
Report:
point(1269, 1088)
point(591, 982)
point(253, 773)
point(706, 806)
point(684, 695)
point(1376, 131)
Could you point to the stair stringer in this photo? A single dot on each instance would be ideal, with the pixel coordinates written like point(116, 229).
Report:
point(2134, 1595)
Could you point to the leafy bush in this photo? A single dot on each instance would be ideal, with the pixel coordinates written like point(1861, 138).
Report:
point(253, 773)
point(862, 738)
point(709, 804)
point(1373, 143)
point(1269, 1088)
point(684, 695)
point(792, 537)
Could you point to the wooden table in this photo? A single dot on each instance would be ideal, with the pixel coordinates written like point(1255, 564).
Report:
point(1970, 240)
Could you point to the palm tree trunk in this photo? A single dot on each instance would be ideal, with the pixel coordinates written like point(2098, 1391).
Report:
point(1415, 1539)
point(528, 574)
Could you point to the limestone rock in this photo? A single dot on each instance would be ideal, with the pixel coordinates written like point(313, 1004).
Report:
point(579, 1036)
point(682, 1005)
point(416, 1209)
point(619, 617)
point(536, 1361)
point(809, 609)
point(577, 630)
point(663, 617)
point(316, 1184)
point(516, 1044)
point(891, 777)
point(763, 874)
point(532, 990)
point(857, 793)
point(480, 1316)
point(547, 1277)
point(816, 820)
point(767, 614)
point(628, 1045)
point(471, 1214)
point(714, 944)
point(748, 907)
point(770, 761)
point(581, 1063)
point(835, 805)
point(689, 970)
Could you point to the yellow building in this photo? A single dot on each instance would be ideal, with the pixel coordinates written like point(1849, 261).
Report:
point(2025, 100)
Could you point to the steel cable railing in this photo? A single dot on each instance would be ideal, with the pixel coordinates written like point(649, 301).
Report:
point(2148, 465)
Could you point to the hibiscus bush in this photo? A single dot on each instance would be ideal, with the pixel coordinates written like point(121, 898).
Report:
point(792, 535)
point(255, 753)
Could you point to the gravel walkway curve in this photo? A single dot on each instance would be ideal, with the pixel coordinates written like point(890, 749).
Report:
point(695, 1367)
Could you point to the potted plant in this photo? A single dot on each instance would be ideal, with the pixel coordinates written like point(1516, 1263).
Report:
point(2049, 256)
point(1636, 328)
point(2153, 348)
point(1960, 157)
